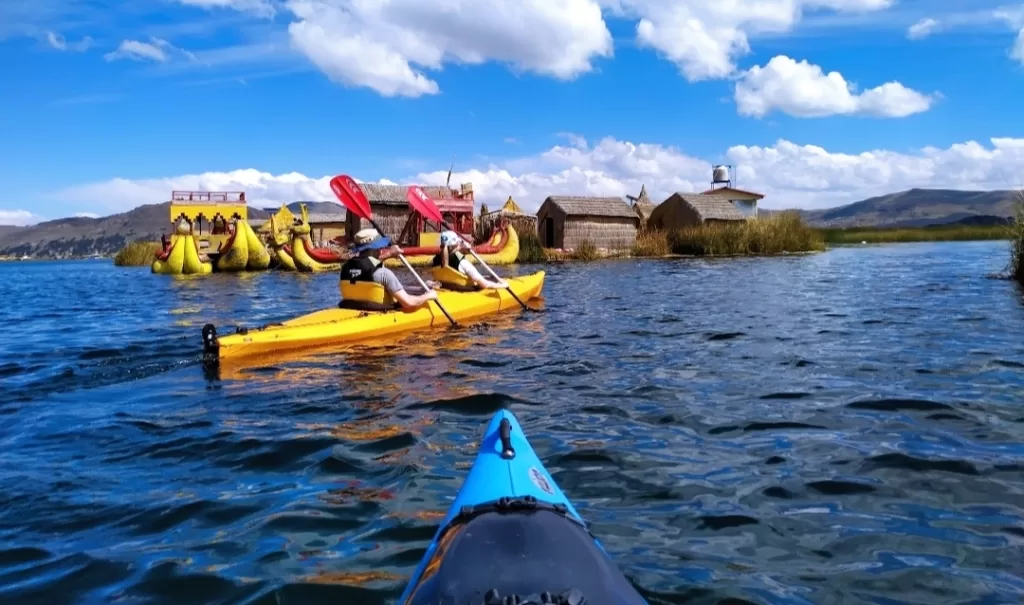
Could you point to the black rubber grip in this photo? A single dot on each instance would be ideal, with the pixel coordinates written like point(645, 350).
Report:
point(505, 434)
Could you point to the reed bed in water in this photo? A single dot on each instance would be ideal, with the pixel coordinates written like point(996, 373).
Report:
point(586, 251)
point(137, 254)
point(1017, 241)
point(530, 250)
point(651, 243)
point(931, 233)
point(775, 234)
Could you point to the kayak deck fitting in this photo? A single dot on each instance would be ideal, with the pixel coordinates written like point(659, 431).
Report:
point(339, 326)
point(511, 537)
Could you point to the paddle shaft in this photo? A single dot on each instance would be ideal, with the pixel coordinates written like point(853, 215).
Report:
point(416, 275)
point(486, 266)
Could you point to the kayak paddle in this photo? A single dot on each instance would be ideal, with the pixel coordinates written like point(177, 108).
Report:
point(422, 203)
point(353, 198)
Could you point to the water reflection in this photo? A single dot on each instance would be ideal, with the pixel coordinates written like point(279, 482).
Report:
point(844, 428)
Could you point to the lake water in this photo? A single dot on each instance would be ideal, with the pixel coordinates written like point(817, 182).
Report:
point(846, 427)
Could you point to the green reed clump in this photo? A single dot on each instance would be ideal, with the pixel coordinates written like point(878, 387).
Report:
point(137, 254)
point(530, 250)
point(775, 234)
point(930, 233)
point(586, 251)
point(651, 244)
point(1017, 241)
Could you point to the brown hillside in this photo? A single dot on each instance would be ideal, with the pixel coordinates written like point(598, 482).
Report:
point(79, 237)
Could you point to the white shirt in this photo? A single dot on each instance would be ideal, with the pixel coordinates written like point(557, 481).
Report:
point(469, 269)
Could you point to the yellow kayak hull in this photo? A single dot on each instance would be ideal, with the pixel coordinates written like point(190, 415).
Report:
point(337, 326)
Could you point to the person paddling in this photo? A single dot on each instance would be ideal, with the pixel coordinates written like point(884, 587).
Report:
point(454, 271)
point(367, 285)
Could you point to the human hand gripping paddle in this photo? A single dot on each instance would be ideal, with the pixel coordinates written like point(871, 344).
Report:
point(353, 198)
point(422, 203)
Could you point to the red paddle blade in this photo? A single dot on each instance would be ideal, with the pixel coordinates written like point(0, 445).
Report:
point(422, 203)
point(350, 194)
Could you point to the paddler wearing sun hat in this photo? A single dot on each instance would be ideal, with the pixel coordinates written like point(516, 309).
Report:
point(367, 285)
point(454, 271)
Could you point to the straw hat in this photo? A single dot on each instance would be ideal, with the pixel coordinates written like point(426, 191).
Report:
point(369, 239)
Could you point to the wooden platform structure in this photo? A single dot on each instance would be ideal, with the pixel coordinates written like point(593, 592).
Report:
point(209, 214)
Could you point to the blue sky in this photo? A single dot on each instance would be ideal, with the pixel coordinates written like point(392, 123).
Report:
point(815, 103)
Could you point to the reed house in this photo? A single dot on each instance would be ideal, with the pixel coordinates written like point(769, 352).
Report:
point(744, 201)
point(682, 210)
point(326, 226)
point(643, 206)
point(565, 222)
point(390, 209)
point(510, 212)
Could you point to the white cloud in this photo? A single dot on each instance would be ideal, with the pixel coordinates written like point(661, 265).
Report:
point(386, 46)
point(259, 8)
point(86, 215)
point(156, 49)
point(791, 175)
point(704, 38)
point(1017, 51)
point(18, 217)
point(922, 29)
point(58, 42)
point(802, 89)
point(393, 46)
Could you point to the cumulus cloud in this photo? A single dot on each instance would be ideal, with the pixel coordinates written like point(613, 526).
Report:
point(802, 89)
point(922, 29)
point(18, 217)
point(156, 49)
point(393, 47)
point(704, 39)
point(791, 175)
point(388, 46)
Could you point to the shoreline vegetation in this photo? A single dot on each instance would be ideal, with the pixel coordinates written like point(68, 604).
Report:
point(1016, 265)
point(775, 234)
point(783, 233)
point(930, 233)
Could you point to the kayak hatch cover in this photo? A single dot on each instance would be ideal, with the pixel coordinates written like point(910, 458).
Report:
point(512, 538)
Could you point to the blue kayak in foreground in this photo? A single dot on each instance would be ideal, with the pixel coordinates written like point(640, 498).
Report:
point(512, 538)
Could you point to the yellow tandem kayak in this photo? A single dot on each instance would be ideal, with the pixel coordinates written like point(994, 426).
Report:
point(337, 326)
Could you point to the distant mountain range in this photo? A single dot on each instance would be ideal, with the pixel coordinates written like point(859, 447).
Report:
point(80, 237)
point(919, 207)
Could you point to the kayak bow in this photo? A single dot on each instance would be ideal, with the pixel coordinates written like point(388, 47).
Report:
point(511, 536)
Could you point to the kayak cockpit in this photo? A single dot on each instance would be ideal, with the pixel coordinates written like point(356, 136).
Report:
point(520, 548)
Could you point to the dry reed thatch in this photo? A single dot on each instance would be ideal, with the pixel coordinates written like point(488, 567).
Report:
point(139, 253)
point(777, 234)
point(602, 232)
point(511, 213)
point(682, 210)
point(1017, 241)
point(643, 206)
point(391, 218)
point(608, 223)
point(390, 208)
point(651, 244)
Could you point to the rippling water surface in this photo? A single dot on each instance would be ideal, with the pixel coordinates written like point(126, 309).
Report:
point(845, 428)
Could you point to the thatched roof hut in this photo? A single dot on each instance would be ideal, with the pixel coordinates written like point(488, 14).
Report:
point(643, 206)
point(389, 206)
point(567, 221)
point(509, 212)
point(691, 209)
